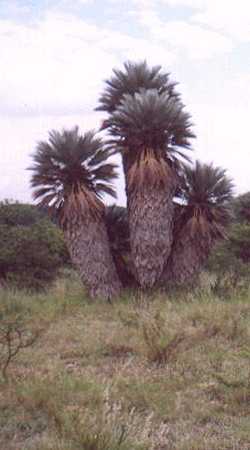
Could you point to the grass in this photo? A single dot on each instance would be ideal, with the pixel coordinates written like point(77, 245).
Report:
point(141, 374)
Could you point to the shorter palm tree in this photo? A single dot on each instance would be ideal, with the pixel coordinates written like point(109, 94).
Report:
point(201, 219)
point(70, 175)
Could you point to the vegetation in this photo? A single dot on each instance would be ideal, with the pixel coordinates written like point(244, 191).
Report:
point(171, 374)
point(70, 175)
point(13, 339)
point(202, 218)
point(242, 208)
point(230, 261)
point(148, 125)
point(32, 248)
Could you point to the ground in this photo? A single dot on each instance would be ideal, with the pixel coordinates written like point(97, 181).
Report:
point(159, 373)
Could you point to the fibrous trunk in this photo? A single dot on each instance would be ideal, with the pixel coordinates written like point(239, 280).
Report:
point(189, 253)
point(150, 186)
point(89, 249)
point(124, 269)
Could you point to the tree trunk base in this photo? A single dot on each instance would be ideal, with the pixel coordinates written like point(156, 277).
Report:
point(89, 249)
point(187, 258)
point(150, 213)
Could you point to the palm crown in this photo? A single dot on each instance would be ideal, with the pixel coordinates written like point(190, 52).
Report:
point(151, 120)
point(151, 130)
point(71, 170)
point(206, 192)
point(134, 77)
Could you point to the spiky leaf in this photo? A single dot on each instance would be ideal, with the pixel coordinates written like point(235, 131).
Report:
point(149, 120)
point(133, 78)
point(206, 193)
point(70, 172)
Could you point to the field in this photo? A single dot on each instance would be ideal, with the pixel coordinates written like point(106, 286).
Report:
point(159, 373)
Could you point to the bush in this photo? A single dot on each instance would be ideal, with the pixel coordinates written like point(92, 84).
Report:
point(230, 261)
point(32, 247)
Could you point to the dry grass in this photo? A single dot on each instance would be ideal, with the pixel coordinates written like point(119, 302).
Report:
point(164, 374)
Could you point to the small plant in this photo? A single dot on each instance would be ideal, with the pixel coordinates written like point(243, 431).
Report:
point(160, 345)
point(13, 338)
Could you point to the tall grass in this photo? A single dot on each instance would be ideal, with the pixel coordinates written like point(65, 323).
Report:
point(165, 372)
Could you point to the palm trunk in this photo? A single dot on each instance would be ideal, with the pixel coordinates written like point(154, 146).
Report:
point(150, 213)
point(123, 269)
point(187, 258)
point(88, 245)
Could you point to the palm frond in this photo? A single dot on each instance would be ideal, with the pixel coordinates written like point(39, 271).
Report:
point(152, 120)
point(71, 168)
point(133, 78)
point(205, 193)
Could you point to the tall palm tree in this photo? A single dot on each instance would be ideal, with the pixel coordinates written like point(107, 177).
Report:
point(150, 129)
point(70, 175)
point(148, 126)
point(201, 219)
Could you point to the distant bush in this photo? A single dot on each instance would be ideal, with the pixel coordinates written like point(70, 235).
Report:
point(241, 207)
point(32, 247)
point(230, 261)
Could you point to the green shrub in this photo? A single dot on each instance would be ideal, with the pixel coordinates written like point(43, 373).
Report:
point(32, 247)
point(230, 261)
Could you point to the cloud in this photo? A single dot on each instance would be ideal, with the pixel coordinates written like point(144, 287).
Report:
point(19, 136)
point(192, 39)
point(193, 4)
point(226, 16)
point(229, 17)
point(221, 139)
point(45, 69)
point(57, 65)
point(198, 42)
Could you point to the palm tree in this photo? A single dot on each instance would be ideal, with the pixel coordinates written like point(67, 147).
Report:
point(148, 126)
point(70, 175)
point(200, 221)
point(118, 233)
point(150, 129)
point(132, 79)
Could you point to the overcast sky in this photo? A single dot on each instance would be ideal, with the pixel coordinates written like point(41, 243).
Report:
point(55, 56)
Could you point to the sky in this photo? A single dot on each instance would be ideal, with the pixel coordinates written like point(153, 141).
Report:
point(55, 56)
